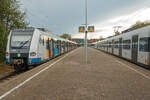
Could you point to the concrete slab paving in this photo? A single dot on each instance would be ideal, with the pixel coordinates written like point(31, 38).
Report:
point(102, 78)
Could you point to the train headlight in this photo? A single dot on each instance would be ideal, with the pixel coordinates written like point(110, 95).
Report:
point(33, 54)
point(7, 54)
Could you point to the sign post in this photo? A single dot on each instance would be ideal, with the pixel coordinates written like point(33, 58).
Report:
point(86, 32)
point(85, 29)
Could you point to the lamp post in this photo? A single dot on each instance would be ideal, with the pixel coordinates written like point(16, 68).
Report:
point(85, 28)
point(86, 32)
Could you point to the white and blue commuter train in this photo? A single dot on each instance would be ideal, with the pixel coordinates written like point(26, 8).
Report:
point(133, 46)
point(33, 46)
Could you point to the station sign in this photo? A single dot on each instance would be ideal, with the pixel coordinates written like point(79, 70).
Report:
point(82, 29)
point(91, 29)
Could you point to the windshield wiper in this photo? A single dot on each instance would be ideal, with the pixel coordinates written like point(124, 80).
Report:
point(24, 43)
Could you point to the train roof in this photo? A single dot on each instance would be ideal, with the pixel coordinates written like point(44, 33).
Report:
point(28, 29)
point(62, 39)
point(32, 29)
point(133, 32)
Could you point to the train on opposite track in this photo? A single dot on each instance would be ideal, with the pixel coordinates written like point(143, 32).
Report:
point(133, 46)
point(33, 46)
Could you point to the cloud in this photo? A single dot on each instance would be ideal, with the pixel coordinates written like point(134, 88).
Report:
point(125, 21)
point(64, 16)
point(106, 28)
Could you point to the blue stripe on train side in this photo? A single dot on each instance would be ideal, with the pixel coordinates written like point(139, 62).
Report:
point(35, 60)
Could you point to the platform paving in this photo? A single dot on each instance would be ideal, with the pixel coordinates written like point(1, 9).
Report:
point(104, 77)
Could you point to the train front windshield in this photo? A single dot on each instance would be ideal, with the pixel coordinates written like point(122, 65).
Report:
point(21, 40)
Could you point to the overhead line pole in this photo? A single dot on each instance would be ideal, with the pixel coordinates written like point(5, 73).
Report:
point(86, 31)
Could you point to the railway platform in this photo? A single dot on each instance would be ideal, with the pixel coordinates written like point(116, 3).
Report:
point(68, 77)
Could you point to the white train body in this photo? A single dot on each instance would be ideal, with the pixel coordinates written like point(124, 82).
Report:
point(33, 46)
point(133, 45)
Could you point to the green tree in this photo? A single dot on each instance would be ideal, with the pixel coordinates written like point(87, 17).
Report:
point(101, 38)
point(140, 24)
point(3, 42)
point(11, 17)
point(117, 33)
point(66, 36)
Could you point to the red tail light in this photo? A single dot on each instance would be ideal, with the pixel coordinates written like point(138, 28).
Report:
point(33, 54)
point(6, 54)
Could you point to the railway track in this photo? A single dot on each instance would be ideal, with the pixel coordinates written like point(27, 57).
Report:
point(7, 75)
point(12, 74)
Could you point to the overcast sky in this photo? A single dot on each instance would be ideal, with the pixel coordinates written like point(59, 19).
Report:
point(65, 16)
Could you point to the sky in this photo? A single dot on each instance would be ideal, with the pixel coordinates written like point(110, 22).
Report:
point(65, 16)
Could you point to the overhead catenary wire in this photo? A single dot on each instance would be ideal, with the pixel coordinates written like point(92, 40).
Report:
point(38, 20)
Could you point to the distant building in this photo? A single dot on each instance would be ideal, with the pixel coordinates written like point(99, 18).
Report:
point(80, 41)
point(79, 38)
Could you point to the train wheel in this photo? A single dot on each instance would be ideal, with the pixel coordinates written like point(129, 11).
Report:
point(17, 68)
point(26, 67)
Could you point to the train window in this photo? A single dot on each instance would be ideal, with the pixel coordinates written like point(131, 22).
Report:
point(126, 44)
point(143, 44)
point(57, 44)
point(109, 45)
point(116, 44)
point(19, 40)
point(47, 43)
point(40, 40)
point(43, 41)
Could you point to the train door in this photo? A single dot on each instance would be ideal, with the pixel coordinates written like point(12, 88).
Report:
point(107, 45)
point(59, 47)
point(56, 46)
point(120, 47)
point(134, 48)
point(67, 47)
point(63, 47)
point(53, 48)
point(50, 48)
point(112, 46)
point(47, 48)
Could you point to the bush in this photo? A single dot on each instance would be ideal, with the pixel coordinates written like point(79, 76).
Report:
point(3, 42)
point(11, 17)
